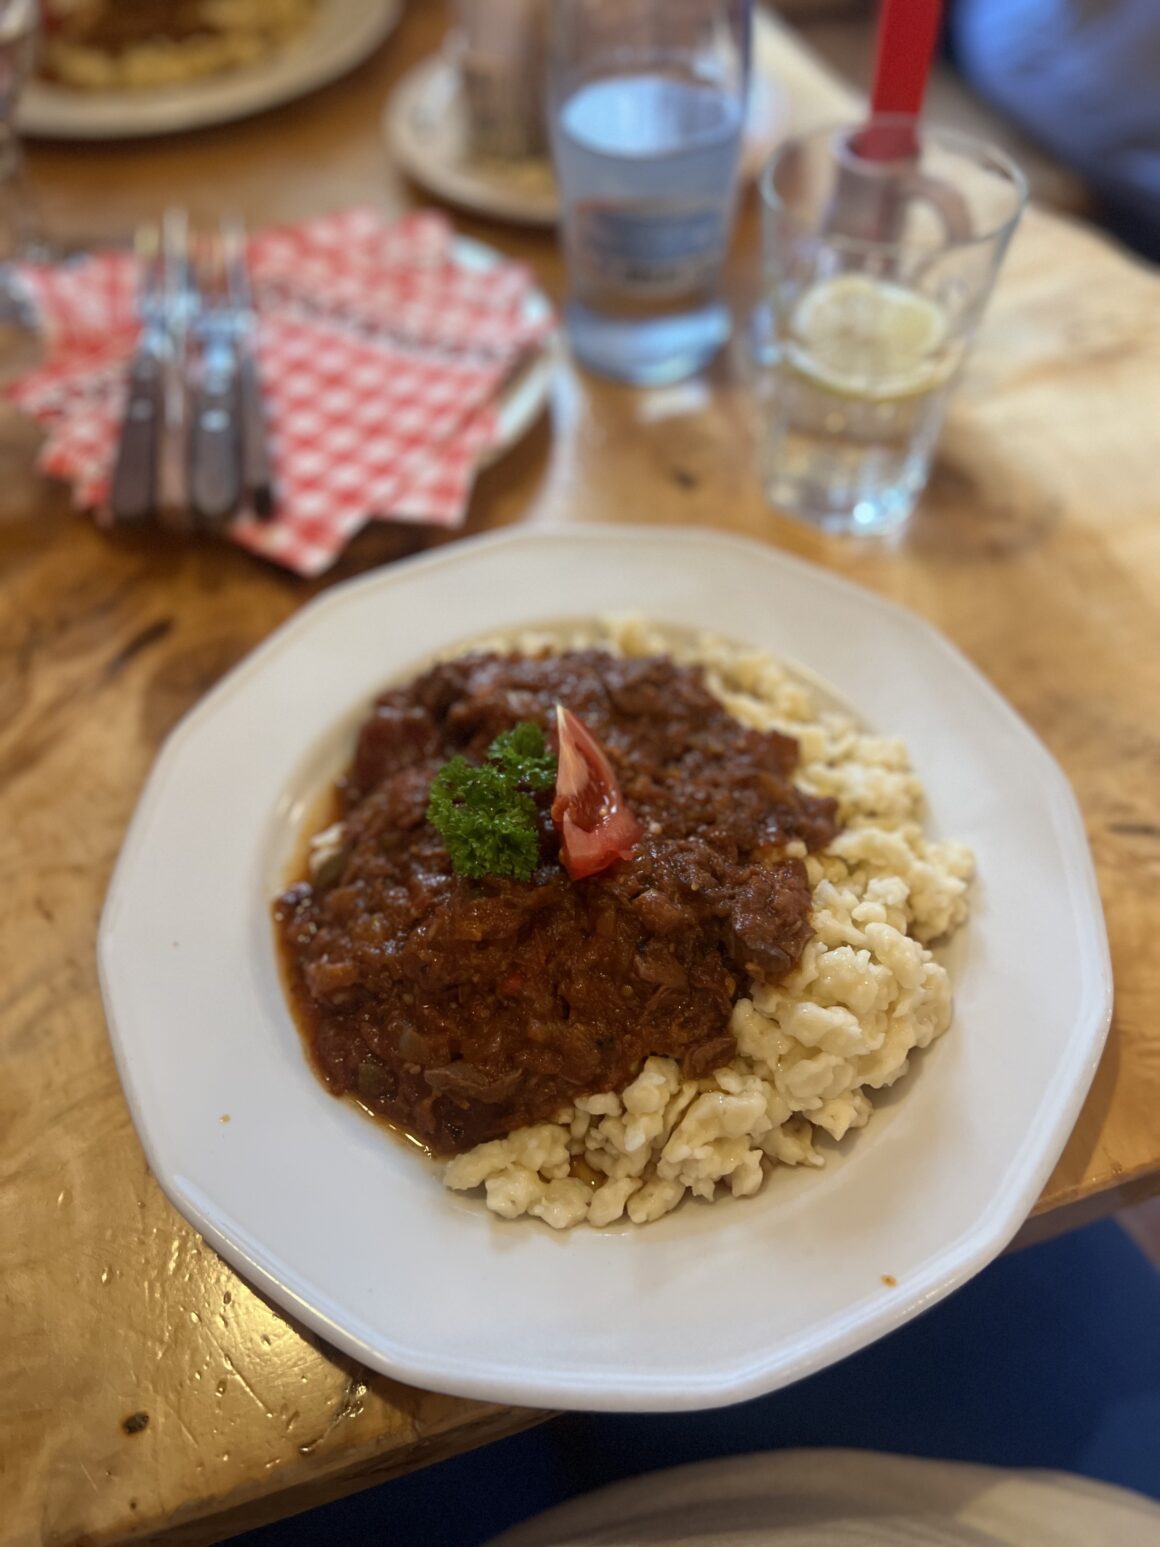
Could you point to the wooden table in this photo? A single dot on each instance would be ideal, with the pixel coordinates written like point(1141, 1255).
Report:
point(144, 1390)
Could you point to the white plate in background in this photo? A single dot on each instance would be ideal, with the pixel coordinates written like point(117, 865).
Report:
point(341, 35)
point(846, 1498)
point(353, 1233)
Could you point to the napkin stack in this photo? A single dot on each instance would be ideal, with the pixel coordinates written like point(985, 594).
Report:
point(381, 353)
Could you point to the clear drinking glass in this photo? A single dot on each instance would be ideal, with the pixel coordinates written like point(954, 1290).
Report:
point(876, 272)
point(646, 108)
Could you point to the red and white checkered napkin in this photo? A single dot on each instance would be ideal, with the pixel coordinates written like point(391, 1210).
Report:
point(380, 351)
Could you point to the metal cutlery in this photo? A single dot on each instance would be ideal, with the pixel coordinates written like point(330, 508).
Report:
point(257, 474)
point(193, 447)
point(215, 453)
point(133, 497)
point(180, 303)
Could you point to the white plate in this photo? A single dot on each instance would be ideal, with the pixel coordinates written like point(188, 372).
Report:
point(425, 123)
point(354, 1234)
point(341, 36)
point(846, 1498)
point(525, 396)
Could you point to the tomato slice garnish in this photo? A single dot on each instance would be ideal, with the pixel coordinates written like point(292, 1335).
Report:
point(596, 827)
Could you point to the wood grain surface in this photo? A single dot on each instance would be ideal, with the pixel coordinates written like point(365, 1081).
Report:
point(145, 1392)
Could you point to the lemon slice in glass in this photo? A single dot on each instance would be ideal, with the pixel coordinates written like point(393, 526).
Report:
point(869, 338)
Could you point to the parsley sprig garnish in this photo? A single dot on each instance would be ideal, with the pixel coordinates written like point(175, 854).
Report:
point(523, 755)
point(485, 813)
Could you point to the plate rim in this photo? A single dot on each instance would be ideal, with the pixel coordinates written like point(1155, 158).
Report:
point(193, 105)
point(828, 1341)
point(526, 394)
point(964, 1492)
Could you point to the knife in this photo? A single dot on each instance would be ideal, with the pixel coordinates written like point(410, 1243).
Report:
point(133, 496)
point(173, 502)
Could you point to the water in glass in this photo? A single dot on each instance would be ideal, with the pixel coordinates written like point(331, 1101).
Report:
point(876, 274)
point(646, 144)
point(862, 367)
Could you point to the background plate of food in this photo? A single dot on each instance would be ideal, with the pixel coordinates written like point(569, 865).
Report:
point(731, 946)
point(116, 69)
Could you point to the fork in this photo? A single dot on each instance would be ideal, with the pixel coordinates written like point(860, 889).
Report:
point(215, 468)
point(257, 475)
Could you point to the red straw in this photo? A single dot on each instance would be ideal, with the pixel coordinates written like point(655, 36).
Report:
point(907, 33)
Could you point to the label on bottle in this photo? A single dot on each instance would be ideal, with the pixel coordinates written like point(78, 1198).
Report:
point(653, 251)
